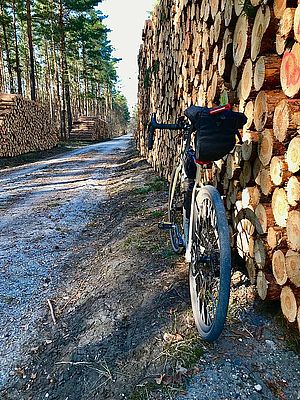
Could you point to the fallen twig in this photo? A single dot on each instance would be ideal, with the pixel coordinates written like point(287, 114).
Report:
point(102, 370)
point(51, 311)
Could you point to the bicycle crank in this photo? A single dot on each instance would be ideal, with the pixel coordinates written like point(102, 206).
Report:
point(168, 226)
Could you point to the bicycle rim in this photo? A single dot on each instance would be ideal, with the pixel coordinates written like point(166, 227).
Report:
point(175, 211)
point(210, 268)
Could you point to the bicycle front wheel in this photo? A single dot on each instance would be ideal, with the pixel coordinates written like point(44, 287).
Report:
point(210, 267)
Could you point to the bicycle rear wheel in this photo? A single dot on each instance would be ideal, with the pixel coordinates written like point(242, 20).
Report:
point(210, 267)
point(175, 210)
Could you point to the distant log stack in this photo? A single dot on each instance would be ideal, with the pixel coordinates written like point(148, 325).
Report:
point(25, 126)
point(89, 128)
point(246, 52)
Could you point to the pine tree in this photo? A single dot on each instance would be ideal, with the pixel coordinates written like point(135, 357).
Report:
point(57, 52)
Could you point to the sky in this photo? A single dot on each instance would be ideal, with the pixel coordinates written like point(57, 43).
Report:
point(126, 20)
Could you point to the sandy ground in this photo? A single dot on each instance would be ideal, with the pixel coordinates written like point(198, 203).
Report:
point(94, 304)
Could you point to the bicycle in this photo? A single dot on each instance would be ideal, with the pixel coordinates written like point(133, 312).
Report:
point(198, 225)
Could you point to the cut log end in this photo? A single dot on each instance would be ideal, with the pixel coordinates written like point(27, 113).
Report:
point(288, 304)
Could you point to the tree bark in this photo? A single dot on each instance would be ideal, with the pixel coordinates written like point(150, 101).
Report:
point(31, 51)
point(18, 66)
point(7, 51)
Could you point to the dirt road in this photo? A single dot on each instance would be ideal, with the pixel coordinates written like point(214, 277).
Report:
point(94, 305)
point(43, 209)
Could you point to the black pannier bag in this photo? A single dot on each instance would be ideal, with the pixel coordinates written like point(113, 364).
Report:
point(215, 134)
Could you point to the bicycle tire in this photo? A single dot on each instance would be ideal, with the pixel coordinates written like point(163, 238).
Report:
point(210, 266)
point(175, 209)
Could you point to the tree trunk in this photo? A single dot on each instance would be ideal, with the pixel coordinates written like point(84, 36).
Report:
point(18, 67)
point(7, 51)
point(31, 51)
point(67, 110)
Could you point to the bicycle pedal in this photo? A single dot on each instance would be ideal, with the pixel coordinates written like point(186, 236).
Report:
point(166, 226)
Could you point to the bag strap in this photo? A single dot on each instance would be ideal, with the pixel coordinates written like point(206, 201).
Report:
point(238, 134)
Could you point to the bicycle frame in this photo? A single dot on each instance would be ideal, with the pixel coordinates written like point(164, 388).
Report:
point(188, 222)
point(187, 137)
point(198, 225)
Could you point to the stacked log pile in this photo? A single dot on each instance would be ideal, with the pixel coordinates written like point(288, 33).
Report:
point(25, 126)
point(90, 129)
point(246, 52)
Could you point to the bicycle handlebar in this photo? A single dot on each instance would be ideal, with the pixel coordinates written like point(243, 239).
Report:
point(153, 125)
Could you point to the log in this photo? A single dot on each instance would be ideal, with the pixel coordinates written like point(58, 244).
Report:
point(245, 244)
point(250, 197)
point(247, 79)
point(258, 37)
point(286, 22)
point(276, 237)
point(279, 267)
point(251, 269)
point(234, 76)
point(249, 151)
point(214, 51)
point(248, 111)
point(286, 119)
point(265, 146)
point(292, 262)
point(260, 254)
point(297, 24)
point(264, 107)
point(290, 71)
point(232, 169)
point(238, 6)
point(257, 168)
point(280, 207)
point(293, 190)
point(281, 43)
point(279, 170)
point(267, 288)
point(293, 155)
point(240, 39)
point(267, 72)
point(264, 215)
point(26, 126)
point(293, 229)
point(288, 303)
point(265, 181)
point(245, 175)
point(228, 12)
point(280, 5)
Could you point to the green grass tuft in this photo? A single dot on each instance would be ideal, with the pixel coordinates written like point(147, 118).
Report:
point(157, 214)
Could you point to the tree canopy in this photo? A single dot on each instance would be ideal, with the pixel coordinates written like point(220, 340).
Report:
point(58, 53)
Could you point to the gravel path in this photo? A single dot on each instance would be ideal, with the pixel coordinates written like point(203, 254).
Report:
point(43, 209)
point(81, 230)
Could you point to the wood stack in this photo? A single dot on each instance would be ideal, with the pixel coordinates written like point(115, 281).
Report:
point(25, 126)
point(90, 128)
point(246, 52)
